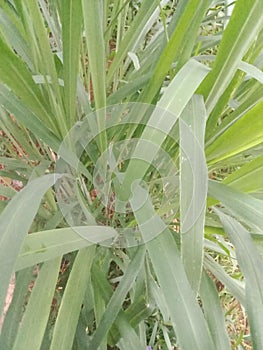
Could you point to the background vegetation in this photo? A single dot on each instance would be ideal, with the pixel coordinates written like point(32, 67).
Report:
point(195, 286)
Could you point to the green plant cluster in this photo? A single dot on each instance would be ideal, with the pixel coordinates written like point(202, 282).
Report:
point(180, 77)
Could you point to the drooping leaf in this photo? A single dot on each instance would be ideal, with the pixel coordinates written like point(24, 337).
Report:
point(247, 208)
point(251, 264)
point(46, 245)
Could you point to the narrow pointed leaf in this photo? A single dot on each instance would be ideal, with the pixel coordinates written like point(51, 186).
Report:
point(242, 137)
point(251, 264)
point(15, 222)
point(165, 116)
point(16, 76)
point(185, 31)
point(68, 315)
point(14, 314)
point(115, 303)
point(248, 178)
point(71, 34)
point(35, 319)
point(247, 208)
point(93, 12)
point(186, 316)
point(214, 313)
point(193, 185)
point(45, 245)
point(245, 23)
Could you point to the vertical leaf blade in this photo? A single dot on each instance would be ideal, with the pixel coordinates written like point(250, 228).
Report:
point(71, 35)
point(117, 299)
point(186, 316)
point(94, 28)
point(34, 321)
point(193, 186)
point(68, 315)
point(185, 31)
point(214, 313)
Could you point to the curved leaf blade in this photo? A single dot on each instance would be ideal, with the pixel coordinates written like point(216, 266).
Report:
point(251, 264)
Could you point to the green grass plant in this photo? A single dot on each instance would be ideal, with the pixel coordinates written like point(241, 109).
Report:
point(131, 168)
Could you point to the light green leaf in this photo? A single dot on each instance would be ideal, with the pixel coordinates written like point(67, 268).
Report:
point(14, 33)
point(242, 29)
point(93, 13)
point(242, 137)
point(16, 76)
point(27, 118)
point(70, 307)
point(14, 314)
point(15, 222)
point(117, 299)
point(44, 63)
point(251, 71)
point(247, 208)
point(130, 38)
point(184, 32)
point(214, 313)
point(193, 188)
point(129, 339)
point(235, 287)
point(131, 317)
point(34, 321)
point(248, 178)
point(163, 118)
point(186, 316)
point(251, 264)
point(71, 34)
point(45, 245)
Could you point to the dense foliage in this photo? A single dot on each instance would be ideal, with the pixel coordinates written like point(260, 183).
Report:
point(131, 173)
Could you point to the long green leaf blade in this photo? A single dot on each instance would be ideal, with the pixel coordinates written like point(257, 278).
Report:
point(70, 307)
point(13, 316)
point(185, 31)
point(115, 303)
point(242, 137)
point(15, 222)
point(164, 117)
point(214, 313)
point(193, 188)
point(45, 245)
point(71, 34)
point(247, 208)
point(16, 76)
point(34, 321)
point(251, 264)
point(186, 316)
point(244, 25)
point(93, 12)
